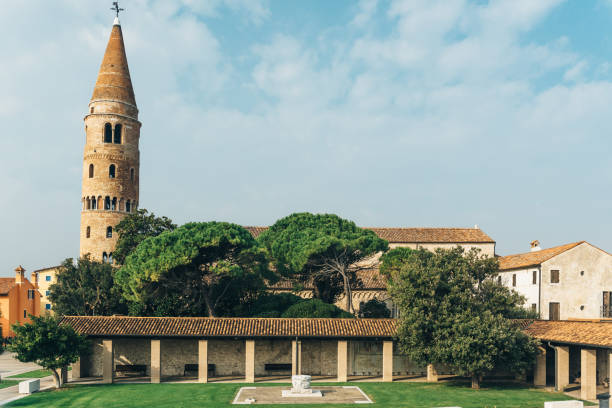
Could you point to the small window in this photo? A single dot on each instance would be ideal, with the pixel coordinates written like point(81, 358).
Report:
point(25, 313)
point(48, 278)
point(109, 232)
point(93, 203)
point(108, 133)
point(534, 277)
point(104, 257)
point(499, 280)
point(87, 234)
point(132, 175)
point(554, 276)
point(91, 110)
point(47, 292)
point(107, 203)
point(91, 171)
point(128, 206)
point(110, 258)
point(514, 279)
point(111, 171)
point(117, 134)
point(48, 306)
point(534, 307)
point(114, 204)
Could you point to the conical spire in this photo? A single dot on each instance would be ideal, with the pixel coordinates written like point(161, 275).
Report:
point(114, 83)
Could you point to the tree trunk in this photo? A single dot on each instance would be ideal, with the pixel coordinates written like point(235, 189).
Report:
point(209, 308)
point(475, 382)
point(56, 378)
point(348, 298)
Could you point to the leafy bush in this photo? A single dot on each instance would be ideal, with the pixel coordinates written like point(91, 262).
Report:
point(315, 308)
point(374, 308)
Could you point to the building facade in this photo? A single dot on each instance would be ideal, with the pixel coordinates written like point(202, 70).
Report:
point(19, 298)
point(45, 278)
point(111, 159)
point(572, 281)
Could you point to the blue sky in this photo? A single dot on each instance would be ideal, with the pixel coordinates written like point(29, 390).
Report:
point(389, 113)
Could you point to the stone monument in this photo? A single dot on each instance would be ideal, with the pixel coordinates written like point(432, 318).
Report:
point(301, 387)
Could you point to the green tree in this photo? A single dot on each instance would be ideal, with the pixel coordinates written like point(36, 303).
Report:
point(453, 311)
point(137, 227)
point(374, 309)
point(268, 305)
point(315, 308)
point(198, 266)
point(86, 289)
point(48, 343)
point(323, 250)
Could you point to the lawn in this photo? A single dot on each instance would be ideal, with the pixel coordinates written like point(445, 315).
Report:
point(413, 395)
point(8, 383)
point(34, 374)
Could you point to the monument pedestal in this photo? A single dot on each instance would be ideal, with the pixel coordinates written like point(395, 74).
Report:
point(301, 388)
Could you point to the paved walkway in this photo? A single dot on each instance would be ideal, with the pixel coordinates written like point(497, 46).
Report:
point(9, 366)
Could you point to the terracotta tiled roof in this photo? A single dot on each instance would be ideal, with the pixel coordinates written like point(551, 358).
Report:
point(576, 332)
point(229, 327)
point(6, 284)
point(420, 235)
point(533, 258)
point(370, 279)
point(597, 334)
point(48, 269)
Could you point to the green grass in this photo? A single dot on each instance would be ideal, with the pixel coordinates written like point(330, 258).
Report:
point(34, 374)
point(413, 395)
point(8, 383)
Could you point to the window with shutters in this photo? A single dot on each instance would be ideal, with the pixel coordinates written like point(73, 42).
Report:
point(554, 311)
point(514, 279)
point(534, 278)
point(554, 276)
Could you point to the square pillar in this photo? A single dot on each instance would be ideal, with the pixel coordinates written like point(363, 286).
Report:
point(108, 362)
point(296, 357)
point(539, 374)
point(64, 375)
point(610, 374)
point(387, 361)
point(342, 360)
point(588, 380)
point(249, 369)
point(432, 374)
point(561, 367)
point(203, 361)
point(76, 370)
point(155, 361)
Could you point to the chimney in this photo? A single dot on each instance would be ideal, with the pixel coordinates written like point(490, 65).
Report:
point(19, 275)
point(35, 279)
point(535, 246)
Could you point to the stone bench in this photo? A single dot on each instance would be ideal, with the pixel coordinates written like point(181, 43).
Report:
point(29, 386)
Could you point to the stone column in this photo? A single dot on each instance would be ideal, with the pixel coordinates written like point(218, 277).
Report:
point(342, 360)
point(296, 357)
point(249, 369)
point(155, 361)
point(203, 361)
point(432, 374)
point(561, 367)
point(108, 362)
point(539, 374)
point(588, 380)
point(76, 370)
point(610, 373)
point(387, 361)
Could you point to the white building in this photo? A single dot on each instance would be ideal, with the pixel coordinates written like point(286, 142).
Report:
point(572, 281)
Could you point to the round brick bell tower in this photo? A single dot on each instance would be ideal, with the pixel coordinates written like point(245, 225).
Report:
point(111, 159)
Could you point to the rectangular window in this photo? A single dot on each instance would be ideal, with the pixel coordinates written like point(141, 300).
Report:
point(25, 313)
point(514, 279)
point(30, 293)
point(554, 311)
point(48, 306)
point(606, 309)
point(534, 278)
point(554, 276)
point(534, 307)
point(47, 292)
point(48, 278)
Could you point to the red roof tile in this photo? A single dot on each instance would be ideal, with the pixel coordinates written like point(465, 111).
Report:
point(6, 284)
point(534, 258)
point(371, 279)
point(576, 332)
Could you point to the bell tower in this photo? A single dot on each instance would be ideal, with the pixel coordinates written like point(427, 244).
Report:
point(111, 159)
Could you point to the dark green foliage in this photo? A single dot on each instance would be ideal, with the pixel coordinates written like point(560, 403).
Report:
point(268, 305)
point(196, 270)
point(323, 250)
point(135, 228)
point(315, 308)
point(86, 289)
point(453, 311)
point(47, 343)
point(374, 308)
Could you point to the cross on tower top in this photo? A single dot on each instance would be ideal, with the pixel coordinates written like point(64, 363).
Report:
point(116, 8)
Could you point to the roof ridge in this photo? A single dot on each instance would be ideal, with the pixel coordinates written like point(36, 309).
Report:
point(546, 249)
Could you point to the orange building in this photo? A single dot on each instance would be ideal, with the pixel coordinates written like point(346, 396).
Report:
point(18, 298)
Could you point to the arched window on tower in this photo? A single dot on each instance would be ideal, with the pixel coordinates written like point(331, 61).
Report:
point(111, 171)
point(93, 203)
point(88, 201)
point(109, 232)
point(88, 232)
point(91, 171)
point(91, 110)
point(114, 204)
point(128, 206)
point(107, 202)
point(132, 175)
point(108, 133)
point(104, 257)
point(118, 129)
